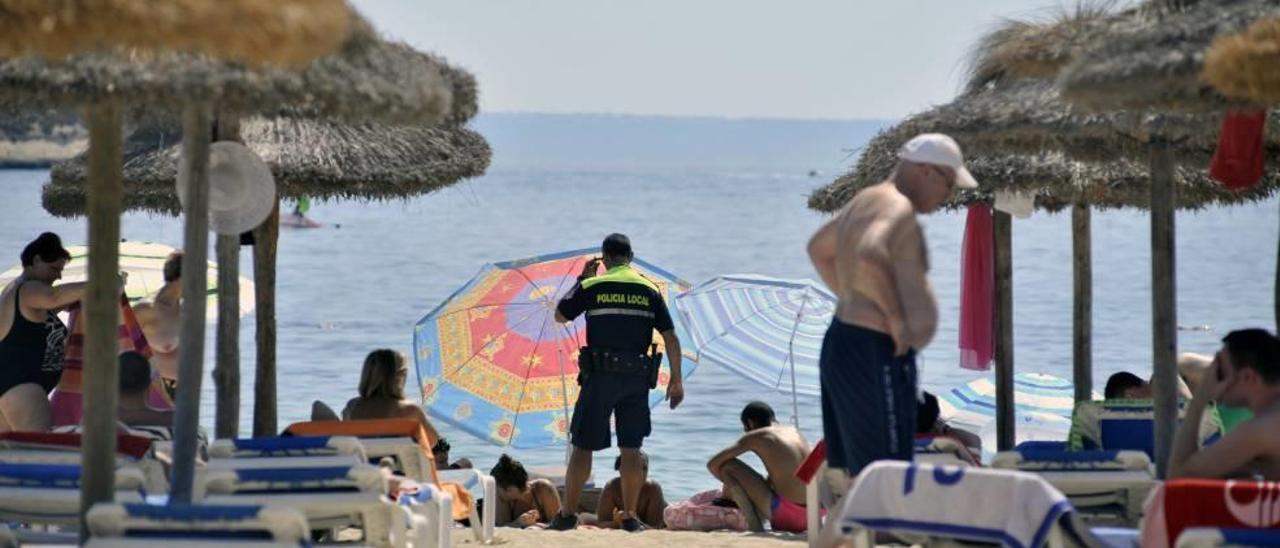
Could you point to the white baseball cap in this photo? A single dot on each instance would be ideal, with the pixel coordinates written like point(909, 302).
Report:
point(941, 150)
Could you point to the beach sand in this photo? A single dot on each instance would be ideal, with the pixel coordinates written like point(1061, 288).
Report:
point(584, 538)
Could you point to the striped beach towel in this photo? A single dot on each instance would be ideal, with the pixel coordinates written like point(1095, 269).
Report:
point(66, 399)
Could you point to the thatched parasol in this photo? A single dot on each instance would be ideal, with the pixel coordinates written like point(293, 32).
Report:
point(1056, 181)
point(366, 79)
point(95, 31)
point(1155, 61)
point(1040, 47)
point(281, 32)
point(308, 158)
point(1243, 66)
point(38, 139)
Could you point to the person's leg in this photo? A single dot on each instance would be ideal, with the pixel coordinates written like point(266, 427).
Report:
point(574, 478)
point(750, 491)
point(632, 416)
point(632, 472)
point(25, 408)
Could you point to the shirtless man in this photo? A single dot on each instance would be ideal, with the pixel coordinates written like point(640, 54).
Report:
point(160, 322)
point(778, 499)
point(649, 508)
point(135, 379)
point(1245, 373)
point(872, 255)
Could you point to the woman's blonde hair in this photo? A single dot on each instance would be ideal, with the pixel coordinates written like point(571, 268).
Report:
point(384, 375)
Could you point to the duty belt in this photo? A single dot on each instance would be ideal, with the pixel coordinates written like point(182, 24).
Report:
point(594, 360)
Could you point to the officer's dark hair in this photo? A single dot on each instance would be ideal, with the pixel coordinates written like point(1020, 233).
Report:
point(617, 246)
point(644, 462)
point(47, 246)
point(1118, 383)
point(927, 413)
point(1255, 349)
point(135, 372)
point(509, 472)
point(759, 413)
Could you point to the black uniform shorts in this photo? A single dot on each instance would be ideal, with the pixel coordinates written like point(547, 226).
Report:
point(626, 397)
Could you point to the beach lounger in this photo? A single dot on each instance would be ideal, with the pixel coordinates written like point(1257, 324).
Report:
point(190, 526)
point(49, 494)
point(288, 446)
point(408, 445)
point(435, 508)
point(1182, 504)
point(935, 449)
point(925, 502)
point(1105, 487)
point(1124, 425)
point(1209, 537)
point(330, 497)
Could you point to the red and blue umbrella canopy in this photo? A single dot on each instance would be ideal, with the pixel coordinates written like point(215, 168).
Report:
point(493, 361)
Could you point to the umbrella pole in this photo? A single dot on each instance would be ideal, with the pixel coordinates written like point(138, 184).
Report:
point(1082, 305)
point(791, 358)
point(226, 370)
point(196, 132)
point(266, 237)
point(101, 309)
point(1164, 327)
point(564, 396)
point(1005, 426)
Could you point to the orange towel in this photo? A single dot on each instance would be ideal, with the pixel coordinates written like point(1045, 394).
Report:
point(383, 428)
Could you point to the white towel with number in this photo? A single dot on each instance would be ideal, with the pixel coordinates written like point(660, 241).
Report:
point(1016, 509)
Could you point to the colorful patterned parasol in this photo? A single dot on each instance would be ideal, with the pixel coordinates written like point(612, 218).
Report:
point(493, 361)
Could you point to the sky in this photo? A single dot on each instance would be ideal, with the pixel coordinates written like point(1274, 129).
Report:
point(812, 59)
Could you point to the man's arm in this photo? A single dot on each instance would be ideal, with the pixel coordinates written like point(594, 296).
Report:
point(729, 453)
point(822, 253)
point(911, 278)
point(1222, 459)
point(675, 386)
point(51, 297)
point(651, 513)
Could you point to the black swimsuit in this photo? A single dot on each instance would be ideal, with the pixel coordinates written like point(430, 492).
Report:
point(32, 352)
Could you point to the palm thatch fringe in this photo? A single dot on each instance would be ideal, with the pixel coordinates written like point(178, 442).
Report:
point(1054, 179)
point(1039, 47)
point(1157, 63)
point(37, 139)
point(366, 80)
point(1243, 66)
point(319, 160)
point(279, 32)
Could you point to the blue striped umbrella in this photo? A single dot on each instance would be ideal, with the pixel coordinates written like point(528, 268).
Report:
point(1042, 406)
point(768, 330)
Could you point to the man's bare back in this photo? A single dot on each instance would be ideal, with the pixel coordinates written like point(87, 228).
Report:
point(782, 449)
point(872, 254)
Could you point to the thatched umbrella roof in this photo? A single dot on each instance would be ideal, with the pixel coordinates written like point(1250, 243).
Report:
point(1056, 180)
point(1243, 66)
point(1039, 47)
point(280, 32)
point(315, 159)
point(366, 79)
point(30, 139)
point(1155, 61)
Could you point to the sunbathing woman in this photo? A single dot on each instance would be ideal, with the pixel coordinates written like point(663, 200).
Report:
point(382, 391)
point(522, 503)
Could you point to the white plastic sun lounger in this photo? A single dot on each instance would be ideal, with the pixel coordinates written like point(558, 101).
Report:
point(49, 494)
point(406, 456)
point(190, 526)
point(1106, 487)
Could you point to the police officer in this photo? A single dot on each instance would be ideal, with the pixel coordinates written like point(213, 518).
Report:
point(617, 369)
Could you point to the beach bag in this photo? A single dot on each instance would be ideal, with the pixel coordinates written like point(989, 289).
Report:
point(1238, 161)
point(66, 400)
point(700, 514)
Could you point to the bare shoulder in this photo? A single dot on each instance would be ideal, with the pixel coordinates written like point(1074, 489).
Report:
point(884, 199)
point(543, 486)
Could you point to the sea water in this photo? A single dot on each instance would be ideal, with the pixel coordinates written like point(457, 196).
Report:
point(344, 291)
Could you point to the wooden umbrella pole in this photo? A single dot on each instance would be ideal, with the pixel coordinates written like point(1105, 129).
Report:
point(1164, 316)
point(196, 132)
point(226, 369)
point(1005, 425)
point(1277, 288)
point(266, 237)
point(101, 308)
point(1082, 309)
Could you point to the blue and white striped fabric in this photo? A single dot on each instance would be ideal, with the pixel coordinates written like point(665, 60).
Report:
point(1042, 407)
point(768, 330)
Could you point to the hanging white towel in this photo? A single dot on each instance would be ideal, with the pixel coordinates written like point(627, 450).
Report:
point(1018, 204)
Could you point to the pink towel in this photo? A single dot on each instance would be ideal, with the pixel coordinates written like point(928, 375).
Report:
point(977, 291)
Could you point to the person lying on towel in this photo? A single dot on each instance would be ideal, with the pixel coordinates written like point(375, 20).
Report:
point(1244, 373)
point(778, 499)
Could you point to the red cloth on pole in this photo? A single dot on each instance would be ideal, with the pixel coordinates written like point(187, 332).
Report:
point(1238, 160)
point(977, 291)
